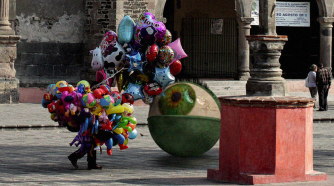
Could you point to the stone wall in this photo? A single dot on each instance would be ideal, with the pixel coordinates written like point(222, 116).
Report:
point(52, 40)
point(57, 35)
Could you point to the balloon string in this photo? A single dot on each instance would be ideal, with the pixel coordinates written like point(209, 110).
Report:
point(105, 80)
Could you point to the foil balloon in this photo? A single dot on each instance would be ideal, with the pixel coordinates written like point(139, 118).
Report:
point(166, 55)
point(153, 89)
point(114, 57)
point(135, 90)
point(148, 30)
point(125, 30)
point(135, 62)
point(163, 76)
point(167, 38)
point(175, 67)
point(178, 50)
point(127, 98)
point(152, 53)
point(108, 42)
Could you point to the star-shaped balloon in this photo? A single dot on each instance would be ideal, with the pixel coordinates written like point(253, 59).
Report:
point(135, 62)
point(163, 76)
point(135, 90)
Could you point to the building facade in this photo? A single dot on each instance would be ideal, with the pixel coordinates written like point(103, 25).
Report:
point(56, 36)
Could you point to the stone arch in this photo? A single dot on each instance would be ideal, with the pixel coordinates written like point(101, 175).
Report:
point(243, 8)
point(159, 9)
point(326, 8)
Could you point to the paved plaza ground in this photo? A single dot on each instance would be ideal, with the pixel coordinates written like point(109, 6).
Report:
point(35, 155)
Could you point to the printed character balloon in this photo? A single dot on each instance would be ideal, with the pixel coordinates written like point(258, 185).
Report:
point(112, 60)
point(152, 53)
point(97, 62)
point(148, 30)
point(166, 55)
point(108, 42)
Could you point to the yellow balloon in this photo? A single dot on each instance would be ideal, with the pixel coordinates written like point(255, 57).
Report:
point(118, 130)
point(126, 141)
point(115, 110)
point(84, 82)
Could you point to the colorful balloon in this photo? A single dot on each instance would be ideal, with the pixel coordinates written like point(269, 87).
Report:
point(166, 55)
point(167, 38)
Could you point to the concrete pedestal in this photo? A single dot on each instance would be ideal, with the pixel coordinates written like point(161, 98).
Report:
point(266, 139)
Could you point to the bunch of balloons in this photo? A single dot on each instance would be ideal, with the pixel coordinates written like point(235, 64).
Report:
point(141, 59)
point(98, 114)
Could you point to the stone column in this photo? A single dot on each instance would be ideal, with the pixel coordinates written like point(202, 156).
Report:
point(243, 48)
point(9, 85)
point(5, 28)
point(326, 27)
point(266, 74)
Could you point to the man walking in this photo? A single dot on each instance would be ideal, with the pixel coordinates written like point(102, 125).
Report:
point(323, 81)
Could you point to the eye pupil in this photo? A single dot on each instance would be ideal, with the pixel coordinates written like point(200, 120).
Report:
point(176, 97)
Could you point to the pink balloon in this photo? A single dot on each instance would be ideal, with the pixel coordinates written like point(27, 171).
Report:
point(178, 50)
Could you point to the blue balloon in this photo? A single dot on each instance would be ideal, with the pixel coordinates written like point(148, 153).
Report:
point(133, 134)
point(135, 90)
point(125, 30)
point(163, 76)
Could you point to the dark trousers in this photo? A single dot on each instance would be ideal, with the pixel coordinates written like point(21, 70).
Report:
point(85, 149)
point(323, 93)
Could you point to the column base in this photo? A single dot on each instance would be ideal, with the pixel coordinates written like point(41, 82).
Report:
point(9, 90)
point(266, 88)
point(251, 179)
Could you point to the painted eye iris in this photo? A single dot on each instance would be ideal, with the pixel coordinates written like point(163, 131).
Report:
point(179, 99)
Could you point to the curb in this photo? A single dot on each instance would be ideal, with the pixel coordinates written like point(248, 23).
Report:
point(39, 126)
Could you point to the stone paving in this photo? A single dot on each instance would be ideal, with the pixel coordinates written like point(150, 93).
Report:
point(38, 155)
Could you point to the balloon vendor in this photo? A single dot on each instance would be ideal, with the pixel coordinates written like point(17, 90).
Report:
point(136, 63)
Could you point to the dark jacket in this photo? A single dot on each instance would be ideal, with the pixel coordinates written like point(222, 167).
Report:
point(324, 76)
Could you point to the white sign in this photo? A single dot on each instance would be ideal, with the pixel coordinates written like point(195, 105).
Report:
point(294, 14)
point(217, 26)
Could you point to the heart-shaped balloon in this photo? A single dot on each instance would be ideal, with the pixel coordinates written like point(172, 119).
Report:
point(108, 42)
point(152, 53)
point(148, 30)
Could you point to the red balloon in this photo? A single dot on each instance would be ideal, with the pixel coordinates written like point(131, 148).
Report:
point(152, 53)
point(175, 67)
point(48, 97)
point(127, 98)
point(153, 89)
